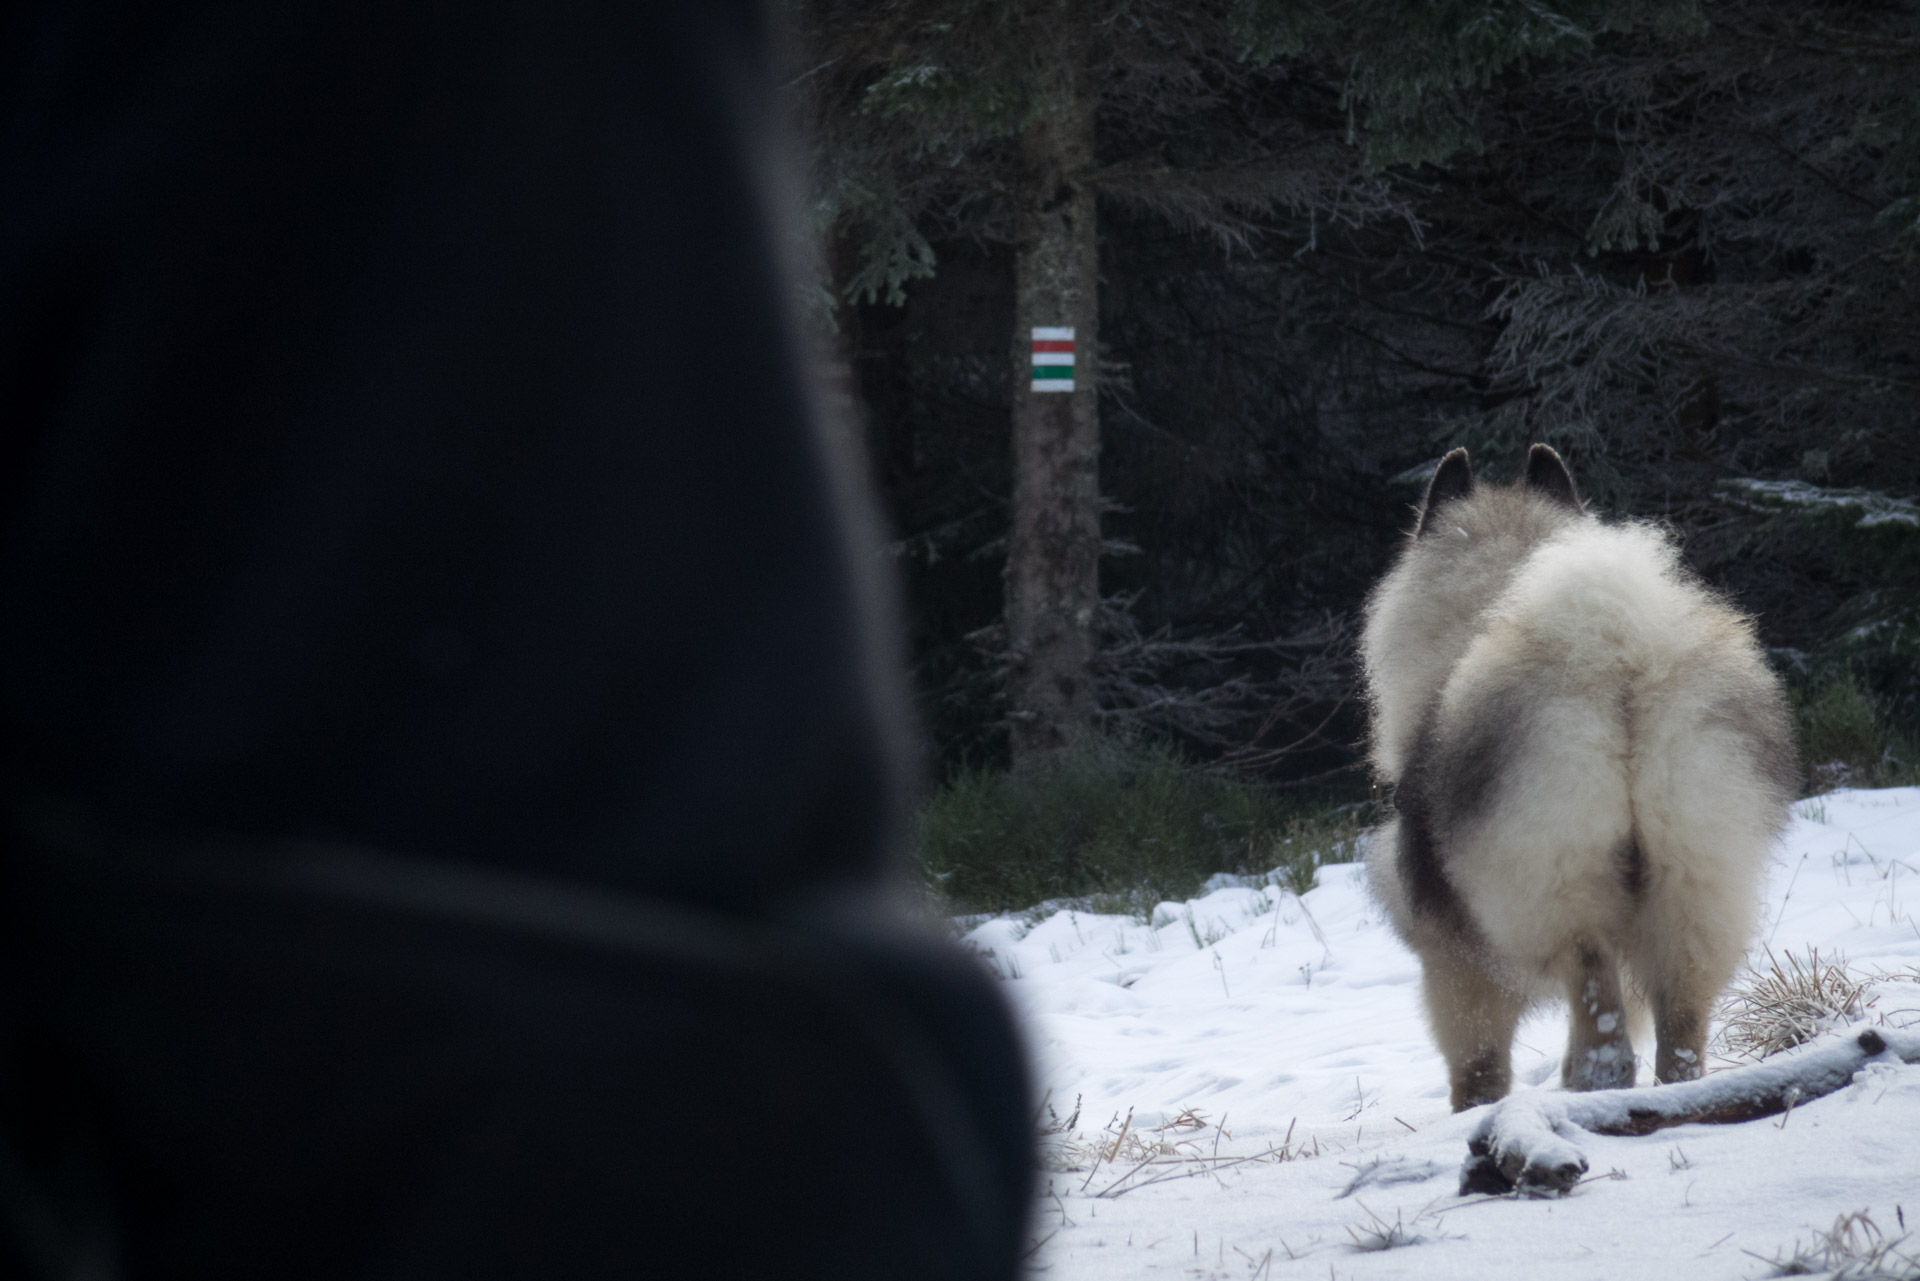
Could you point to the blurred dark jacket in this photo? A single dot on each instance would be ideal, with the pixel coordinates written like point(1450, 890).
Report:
point(450, 721)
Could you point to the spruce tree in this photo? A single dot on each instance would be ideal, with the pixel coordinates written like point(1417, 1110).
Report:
point(1012, 121)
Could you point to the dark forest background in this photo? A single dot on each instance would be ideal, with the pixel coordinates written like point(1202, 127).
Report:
point(1681, 245)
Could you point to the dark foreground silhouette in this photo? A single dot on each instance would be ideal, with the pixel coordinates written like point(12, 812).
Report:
point(451, 747)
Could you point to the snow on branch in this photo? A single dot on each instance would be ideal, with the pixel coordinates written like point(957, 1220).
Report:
point(1863, 507)
point(1525, 1142)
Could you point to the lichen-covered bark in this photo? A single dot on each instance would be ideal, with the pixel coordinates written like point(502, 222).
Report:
point(1053, 555)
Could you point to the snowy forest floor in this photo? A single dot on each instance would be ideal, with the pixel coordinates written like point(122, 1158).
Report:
point(1244, 1087)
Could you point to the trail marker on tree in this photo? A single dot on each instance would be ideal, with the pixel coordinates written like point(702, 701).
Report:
point(1052, 358)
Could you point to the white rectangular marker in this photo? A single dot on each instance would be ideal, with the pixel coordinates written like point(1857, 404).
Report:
point(1052, 358)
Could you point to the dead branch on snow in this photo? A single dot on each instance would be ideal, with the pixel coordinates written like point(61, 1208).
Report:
point(1525, 1142)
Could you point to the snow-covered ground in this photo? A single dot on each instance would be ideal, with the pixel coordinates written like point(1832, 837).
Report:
point(1253, 1023)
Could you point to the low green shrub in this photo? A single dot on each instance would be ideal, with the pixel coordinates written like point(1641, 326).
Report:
point(1120, 827)
point(1847, 739)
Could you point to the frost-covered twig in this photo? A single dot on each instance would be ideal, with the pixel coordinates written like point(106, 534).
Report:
point(1525, 1142)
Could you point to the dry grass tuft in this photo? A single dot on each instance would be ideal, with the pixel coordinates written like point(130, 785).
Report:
point(1377, 1234)
point(1853, 1249)
point(1125, 1156)
point(1054, 1124)
point(1122, 1144)
point(1792, 1001)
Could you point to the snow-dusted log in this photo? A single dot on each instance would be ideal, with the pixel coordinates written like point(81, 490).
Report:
point(1525, 1141)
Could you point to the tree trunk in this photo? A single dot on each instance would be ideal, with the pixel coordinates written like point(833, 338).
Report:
point(1053, 554)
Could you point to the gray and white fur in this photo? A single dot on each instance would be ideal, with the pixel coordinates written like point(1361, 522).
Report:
point(1590, 762)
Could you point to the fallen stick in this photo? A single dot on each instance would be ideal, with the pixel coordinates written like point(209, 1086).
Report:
point(1524, 1142)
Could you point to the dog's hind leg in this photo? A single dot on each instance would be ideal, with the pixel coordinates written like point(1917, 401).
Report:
point(1680, 1032)
point(1683, 965)
point(1599, 1049)
point(1474, 1016)
point(1688, 939)
point(1715, 773)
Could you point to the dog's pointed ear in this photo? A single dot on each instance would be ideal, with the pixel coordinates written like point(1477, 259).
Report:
point(1452, 479)
point(1548, 476)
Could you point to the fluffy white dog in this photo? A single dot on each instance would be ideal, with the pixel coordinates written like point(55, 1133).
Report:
point(1590, 762)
